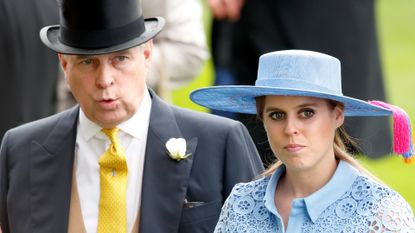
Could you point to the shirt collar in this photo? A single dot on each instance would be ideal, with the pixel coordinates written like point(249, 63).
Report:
point(316, 203)
point(133, 126)
point(137, 124)
point(270, 191)
point(338, 185)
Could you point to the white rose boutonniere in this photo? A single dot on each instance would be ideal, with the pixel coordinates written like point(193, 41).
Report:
point(176, 148)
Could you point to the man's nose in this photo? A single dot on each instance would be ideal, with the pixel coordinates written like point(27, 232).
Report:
point(105, 76)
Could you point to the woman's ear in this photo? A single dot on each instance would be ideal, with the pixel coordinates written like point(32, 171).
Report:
point(339, 116)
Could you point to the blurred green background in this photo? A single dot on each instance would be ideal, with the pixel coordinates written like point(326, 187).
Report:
point(395, 24)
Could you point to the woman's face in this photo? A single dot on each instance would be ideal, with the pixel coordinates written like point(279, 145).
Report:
point(301, 130)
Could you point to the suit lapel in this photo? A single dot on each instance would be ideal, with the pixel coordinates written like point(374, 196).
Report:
point(51, 164)
point(165, 180)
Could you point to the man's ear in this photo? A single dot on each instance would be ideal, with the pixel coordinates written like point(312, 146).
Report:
point(148, 52)
point(63, 60)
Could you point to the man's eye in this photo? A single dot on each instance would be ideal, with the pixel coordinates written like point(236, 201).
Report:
point(277, 115)
point(307, 113)
point(87, 61)
point(121, 58)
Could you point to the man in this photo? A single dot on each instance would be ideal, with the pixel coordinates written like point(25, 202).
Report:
point(104, 166)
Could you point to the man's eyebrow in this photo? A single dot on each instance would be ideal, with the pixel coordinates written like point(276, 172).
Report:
point(80, 57)
point(124, 52)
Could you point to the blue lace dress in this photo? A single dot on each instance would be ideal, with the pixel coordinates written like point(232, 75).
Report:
point(349, 202)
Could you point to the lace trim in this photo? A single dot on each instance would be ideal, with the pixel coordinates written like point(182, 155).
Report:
point(367, 207)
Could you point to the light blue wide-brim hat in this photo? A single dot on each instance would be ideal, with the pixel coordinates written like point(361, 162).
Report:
point(287, 73)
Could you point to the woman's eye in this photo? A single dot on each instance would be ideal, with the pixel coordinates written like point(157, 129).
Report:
point(307, 113)
point(277, 115)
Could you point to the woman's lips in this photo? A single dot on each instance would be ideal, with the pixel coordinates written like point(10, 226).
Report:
point(293, 147)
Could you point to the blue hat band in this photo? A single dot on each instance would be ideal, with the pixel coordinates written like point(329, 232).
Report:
point(295, 84)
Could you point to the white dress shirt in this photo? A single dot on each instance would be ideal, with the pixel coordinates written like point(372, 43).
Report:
point(91, 143)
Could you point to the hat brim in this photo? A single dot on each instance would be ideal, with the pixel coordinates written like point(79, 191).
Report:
point(50, 37)
point(241, 99)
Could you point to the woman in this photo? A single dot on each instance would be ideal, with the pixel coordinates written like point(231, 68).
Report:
point(316, 186)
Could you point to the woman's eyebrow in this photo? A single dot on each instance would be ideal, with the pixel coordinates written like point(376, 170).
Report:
point(304, 105)
point(307, 105)
point(271, 109)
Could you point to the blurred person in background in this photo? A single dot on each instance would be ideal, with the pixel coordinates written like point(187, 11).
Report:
point(344, 29)
point(28, 70)
point(180, 50)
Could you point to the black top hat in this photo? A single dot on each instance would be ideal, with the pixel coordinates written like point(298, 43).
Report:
point(99, 27)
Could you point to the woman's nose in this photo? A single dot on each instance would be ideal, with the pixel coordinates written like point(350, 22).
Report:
point(291, 127)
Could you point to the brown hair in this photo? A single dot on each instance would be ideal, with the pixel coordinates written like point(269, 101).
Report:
point(344, 146)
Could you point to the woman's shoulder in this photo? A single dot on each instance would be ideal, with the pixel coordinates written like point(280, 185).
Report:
point(383, 203)
point(366, 206)
point(255, 188)
point(365, 188)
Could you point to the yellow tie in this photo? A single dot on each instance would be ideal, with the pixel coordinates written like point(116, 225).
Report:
point(112, 217)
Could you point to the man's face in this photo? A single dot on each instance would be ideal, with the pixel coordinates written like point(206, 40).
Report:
point(109, 87)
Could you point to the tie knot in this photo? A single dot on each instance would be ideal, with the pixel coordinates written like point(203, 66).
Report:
point(111, 134)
